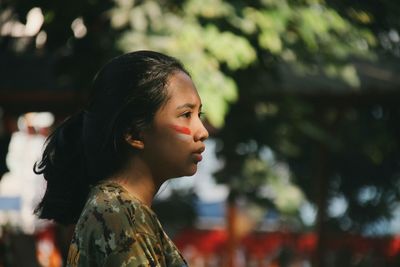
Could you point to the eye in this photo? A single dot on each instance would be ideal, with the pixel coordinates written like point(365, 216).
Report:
point(187, 115)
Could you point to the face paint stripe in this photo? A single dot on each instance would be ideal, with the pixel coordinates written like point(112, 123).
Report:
point(183, 137)
point(181, 130)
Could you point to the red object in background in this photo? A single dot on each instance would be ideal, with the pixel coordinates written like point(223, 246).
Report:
point(259, 245)
point(393, 247)
point(205, 241)
point(47, 252)
point(306, 243)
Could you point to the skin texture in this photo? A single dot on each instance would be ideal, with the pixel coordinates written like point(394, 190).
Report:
point(165, 152)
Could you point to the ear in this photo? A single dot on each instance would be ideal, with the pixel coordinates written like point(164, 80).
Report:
point(134, 142)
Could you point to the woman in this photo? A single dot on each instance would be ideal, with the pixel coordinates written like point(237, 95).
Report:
point(104, 165)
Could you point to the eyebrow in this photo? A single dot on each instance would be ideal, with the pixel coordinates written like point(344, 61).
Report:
point(189, 105)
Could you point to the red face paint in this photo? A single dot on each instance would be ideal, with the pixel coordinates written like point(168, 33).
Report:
point(180, 129)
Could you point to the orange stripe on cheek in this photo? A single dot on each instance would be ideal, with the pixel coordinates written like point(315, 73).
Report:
point(180, 129)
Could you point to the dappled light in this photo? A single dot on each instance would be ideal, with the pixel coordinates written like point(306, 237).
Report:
point(301, 102)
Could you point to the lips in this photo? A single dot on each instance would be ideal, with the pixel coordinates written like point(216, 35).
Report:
point(200, 150)
point(197, 157)
point(197, 154)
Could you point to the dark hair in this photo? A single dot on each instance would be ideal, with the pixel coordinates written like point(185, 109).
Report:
point(90, 145)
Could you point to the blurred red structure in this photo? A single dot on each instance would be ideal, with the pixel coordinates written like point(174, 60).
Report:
point(47, 252)
point(264, 248)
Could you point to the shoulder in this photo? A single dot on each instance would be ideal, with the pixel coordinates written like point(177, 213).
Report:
point(113, 223)
point(110, 207)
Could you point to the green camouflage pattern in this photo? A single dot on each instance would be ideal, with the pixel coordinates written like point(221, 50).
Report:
point(115, 229)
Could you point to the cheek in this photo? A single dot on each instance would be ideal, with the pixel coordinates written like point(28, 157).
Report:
point(183, 137)
point(171, 143)
point(181, 133)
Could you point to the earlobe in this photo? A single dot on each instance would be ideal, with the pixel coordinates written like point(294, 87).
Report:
point(136, 143)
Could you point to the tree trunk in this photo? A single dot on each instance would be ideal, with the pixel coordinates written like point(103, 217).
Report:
point(232, 241)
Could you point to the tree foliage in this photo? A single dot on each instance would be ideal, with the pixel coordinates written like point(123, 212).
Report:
point(217, 38)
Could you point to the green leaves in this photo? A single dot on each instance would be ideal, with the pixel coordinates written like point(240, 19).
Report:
point(274, 181)
point(216, 38)
point(208, 8)
point(203, 49)
point(228, 48)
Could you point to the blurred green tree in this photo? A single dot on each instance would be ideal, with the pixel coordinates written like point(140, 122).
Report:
point(337, 132)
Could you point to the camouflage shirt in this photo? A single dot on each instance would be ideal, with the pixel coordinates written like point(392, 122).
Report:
point(116, 229)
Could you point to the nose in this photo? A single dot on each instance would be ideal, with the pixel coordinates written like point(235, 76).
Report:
point(201, 133)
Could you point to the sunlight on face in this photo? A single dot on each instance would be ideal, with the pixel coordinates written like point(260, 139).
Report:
point(175, 141)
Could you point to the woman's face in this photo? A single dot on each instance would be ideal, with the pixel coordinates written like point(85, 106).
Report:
point(174, 143)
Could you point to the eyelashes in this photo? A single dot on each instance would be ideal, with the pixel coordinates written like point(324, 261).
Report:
point(189, 114)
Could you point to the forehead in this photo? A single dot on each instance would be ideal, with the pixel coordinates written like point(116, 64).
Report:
point(181, 90)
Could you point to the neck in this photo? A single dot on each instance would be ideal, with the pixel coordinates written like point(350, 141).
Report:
point(139, 182)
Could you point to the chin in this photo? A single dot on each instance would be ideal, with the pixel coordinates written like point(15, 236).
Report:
point(182, 171)
point(190, 171)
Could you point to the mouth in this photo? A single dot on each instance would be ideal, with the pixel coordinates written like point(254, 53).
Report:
point(197, 154)
point(197, 157)
point(200, 150)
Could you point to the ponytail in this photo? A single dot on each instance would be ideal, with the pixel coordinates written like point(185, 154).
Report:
point(63, 167)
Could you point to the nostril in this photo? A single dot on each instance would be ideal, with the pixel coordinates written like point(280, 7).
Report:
point(205, 136)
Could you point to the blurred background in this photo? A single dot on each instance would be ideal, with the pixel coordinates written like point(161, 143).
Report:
point(302, 102)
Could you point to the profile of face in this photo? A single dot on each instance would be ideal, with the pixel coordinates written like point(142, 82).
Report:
point(172, 146)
